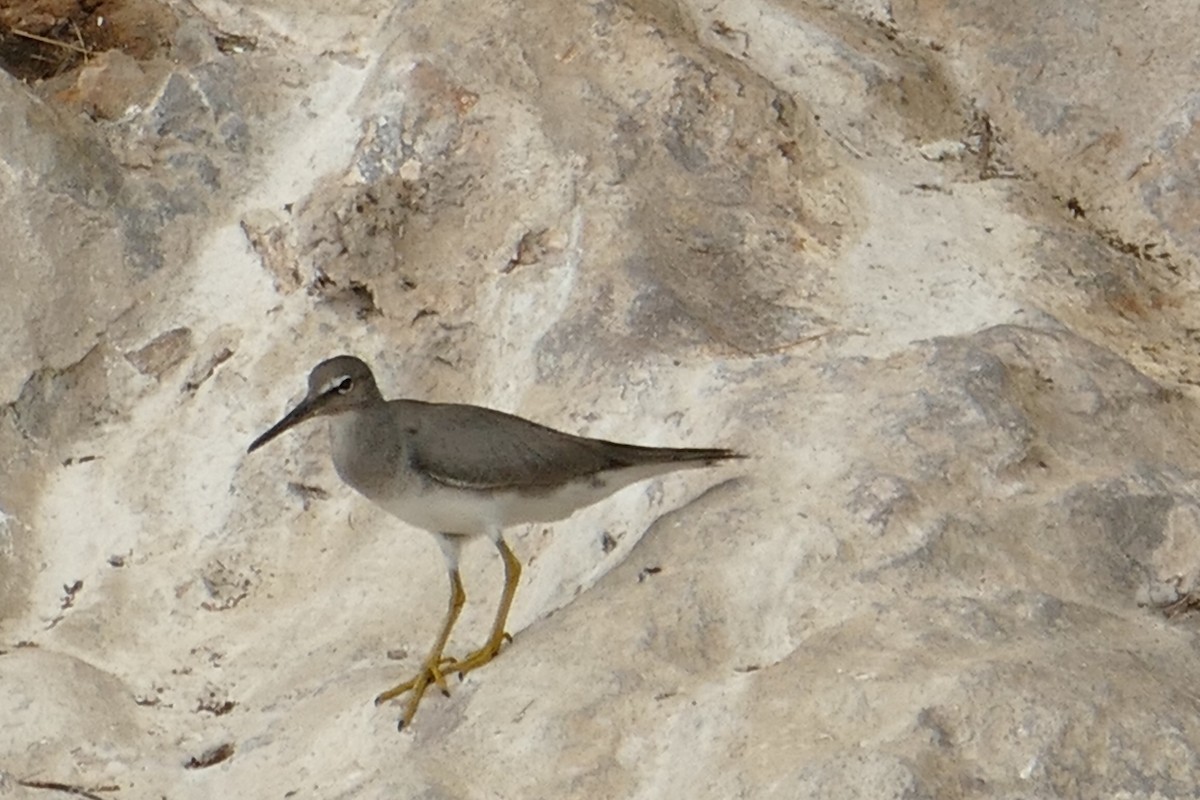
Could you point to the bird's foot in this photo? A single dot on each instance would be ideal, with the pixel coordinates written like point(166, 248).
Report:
point(478, 658)
point(432, 673)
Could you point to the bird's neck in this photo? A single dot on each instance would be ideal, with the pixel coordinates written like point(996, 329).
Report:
point(360, 448)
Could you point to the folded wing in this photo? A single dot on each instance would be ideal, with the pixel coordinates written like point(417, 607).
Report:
point(479, 448)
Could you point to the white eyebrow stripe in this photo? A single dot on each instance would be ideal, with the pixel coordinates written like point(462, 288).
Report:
point(334, 383)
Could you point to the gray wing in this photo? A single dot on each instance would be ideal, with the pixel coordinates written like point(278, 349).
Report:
point(479, 448)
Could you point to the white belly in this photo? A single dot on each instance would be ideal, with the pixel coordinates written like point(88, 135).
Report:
point(442, 509)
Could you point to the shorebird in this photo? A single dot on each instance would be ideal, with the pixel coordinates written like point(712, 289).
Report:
point(459, 471)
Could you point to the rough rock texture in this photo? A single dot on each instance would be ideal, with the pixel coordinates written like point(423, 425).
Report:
point(932, 264)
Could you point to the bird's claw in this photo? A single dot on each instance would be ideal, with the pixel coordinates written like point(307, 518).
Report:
point(478, 658)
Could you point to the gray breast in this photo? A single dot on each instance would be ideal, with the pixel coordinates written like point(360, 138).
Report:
point(368, 454)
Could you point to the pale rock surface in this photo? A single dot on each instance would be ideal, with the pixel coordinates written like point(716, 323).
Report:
point(843, 237)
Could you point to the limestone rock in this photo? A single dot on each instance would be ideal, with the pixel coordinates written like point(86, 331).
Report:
point(931, 265)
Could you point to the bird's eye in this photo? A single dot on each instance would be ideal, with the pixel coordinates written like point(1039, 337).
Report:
point(344, 386)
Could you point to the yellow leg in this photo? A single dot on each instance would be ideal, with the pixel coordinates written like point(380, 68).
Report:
point(432, 671)
point(512, 575)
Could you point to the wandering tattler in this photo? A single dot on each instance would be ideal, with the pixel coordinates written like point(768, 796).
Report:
point(459, 471)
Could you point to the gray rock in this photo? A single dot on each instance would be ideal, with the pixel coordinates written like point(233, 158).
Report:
point(931, 265)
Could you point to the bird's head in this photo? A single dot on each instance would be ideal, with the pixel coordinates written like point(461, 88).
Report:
point(336, 385)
